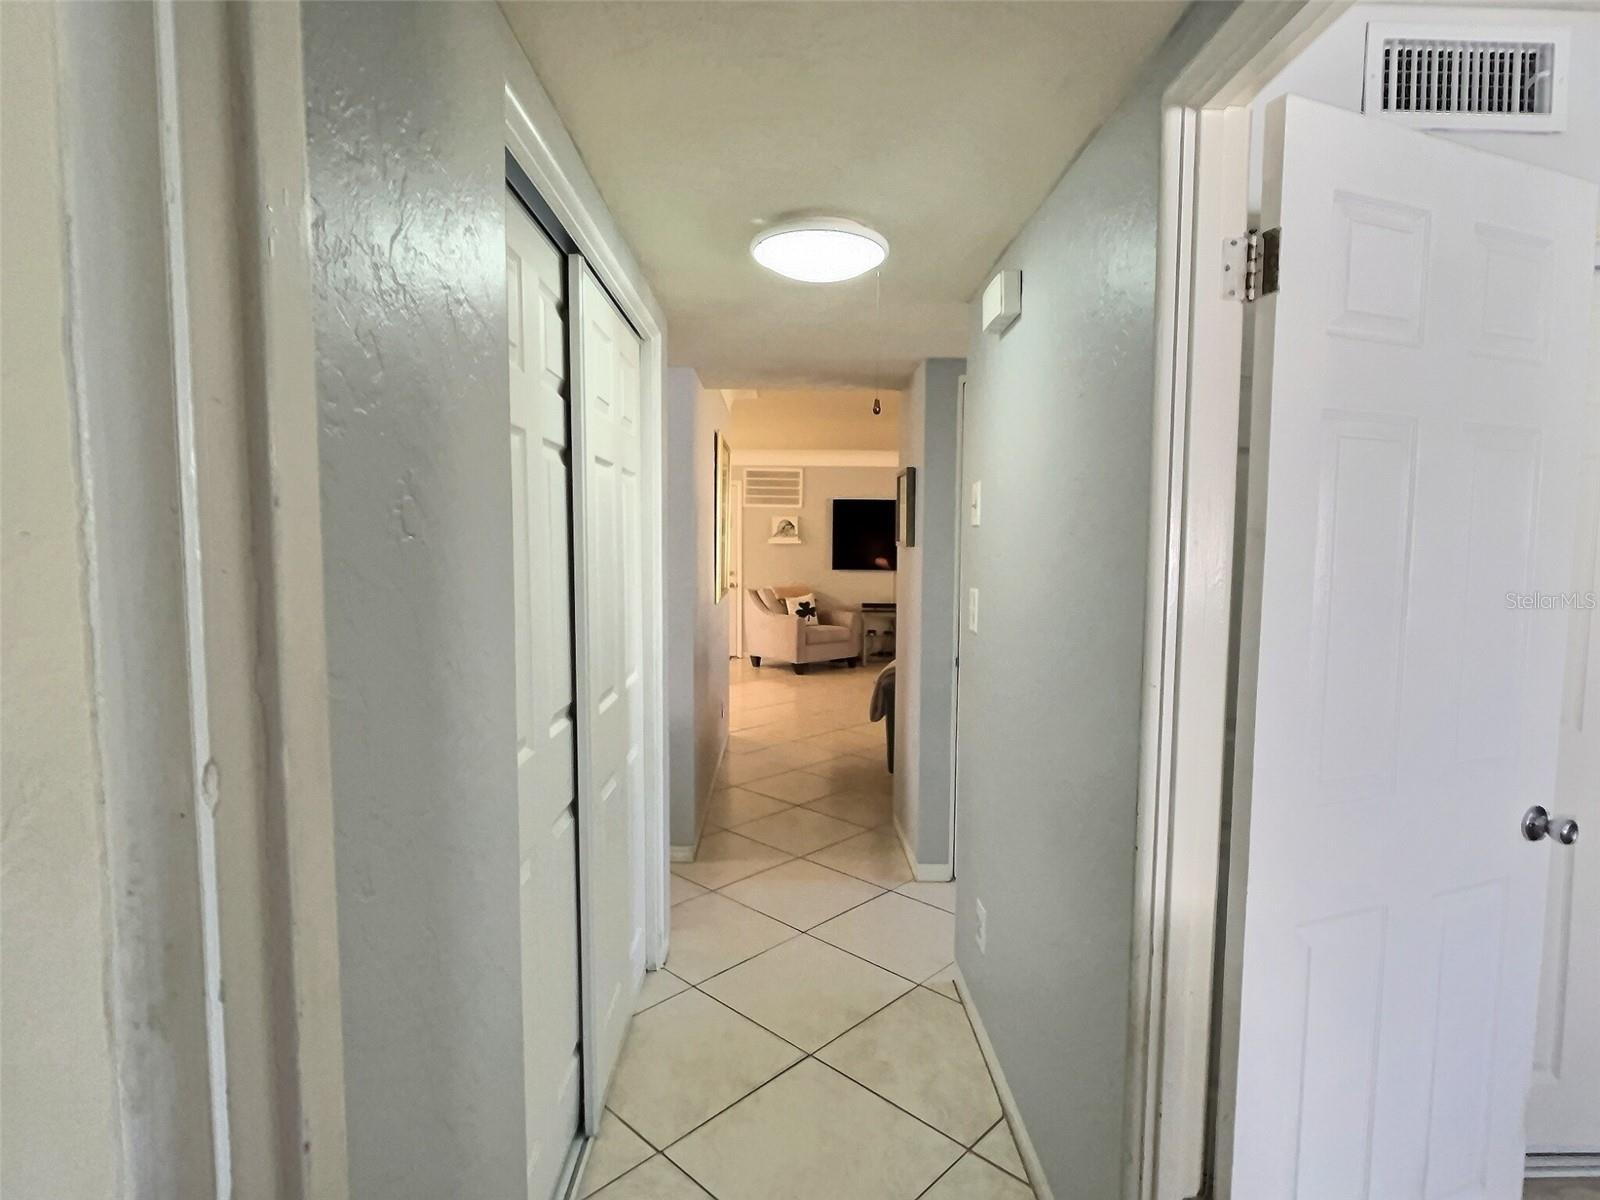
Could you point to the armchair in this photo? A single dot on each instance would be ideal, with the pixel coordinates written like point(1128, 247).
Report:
point(769, 632)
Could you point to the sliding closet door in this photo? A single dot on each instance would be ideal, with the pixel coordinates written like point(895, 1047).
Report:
point(610, 616)
point(546, 748)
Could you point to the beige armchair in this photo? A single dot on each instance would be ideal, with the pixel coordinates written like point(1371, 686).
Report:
point(769, 632)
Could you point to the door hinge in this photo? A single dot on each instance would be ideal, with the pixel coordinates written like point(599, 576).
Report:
point(1250, 265)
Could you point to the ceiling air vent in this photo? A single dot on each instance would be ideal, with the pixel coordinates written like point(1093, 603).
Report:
point(1484, 77)
point(773, 487)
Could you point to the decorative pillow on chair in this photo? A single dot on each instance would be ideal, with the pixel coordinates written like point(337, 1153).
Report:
point(770, 599)
point(803, 606)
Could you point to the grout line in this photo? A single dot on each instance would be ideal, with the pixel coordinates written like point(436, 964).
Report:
point(942, 1174)
point(812, 1056)
point(654, 1149)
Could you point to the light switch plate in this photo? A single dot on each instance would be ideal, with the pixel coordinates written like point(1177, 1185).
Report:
point(1002, 301)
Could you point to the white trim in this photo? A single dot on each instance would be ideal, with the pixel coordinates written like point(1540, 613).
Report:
point(1205, 155)
point(1581, 1164)
point(920, 871)
point(815, 458)
point(956, 611)
point(684, 854)
point(292, 691)
point(203, 769)
point(1008, 1101)
point(538, 139)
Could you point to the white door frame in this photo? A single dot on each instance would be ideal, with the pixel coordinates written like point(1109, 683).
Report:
point(958, 611)
point(537, 139)
point(1200, 347)
point(734, 568)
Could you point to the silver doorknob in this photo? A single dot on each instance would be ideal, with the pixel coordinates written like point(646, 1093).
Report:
point(1538, 824)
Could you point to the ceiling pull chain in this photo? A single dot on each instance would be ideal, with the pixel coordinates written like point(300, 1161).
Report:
point(877, 362)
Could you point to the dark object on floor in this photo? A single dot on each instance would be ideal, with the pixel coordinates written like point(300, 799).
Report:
point(881, 708)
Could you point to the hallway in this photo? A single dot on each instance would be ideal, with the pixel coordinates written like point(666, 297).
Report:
point(806, 1038)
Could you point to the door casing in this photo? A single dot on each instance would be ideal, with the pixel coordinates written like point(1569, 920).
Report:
point(1204, 173)
point(536, 142)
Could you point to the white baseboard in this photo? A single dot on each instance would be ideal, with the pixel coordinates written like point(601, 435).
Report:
point(684, 854)
point(1582, 1164)
point(920, 871)
point(1008, 1102)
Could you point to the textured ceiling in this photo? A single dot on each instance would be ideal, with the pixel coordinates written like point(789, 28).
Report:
point(943, 125)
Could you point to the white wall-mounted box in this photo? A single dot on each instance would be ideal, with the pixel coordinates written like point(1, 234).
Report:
point(1002, 301)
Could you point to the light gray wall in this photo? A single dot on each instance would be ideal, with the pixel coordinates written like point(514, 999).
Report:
point(925, 637)
point(59, 1107)
point(696, 624)
point(1058, 429)
point(766, 565)
point(406, 158)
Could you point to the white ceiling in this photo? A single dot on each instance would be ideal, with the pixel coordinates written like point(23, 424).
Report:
point(942, 125)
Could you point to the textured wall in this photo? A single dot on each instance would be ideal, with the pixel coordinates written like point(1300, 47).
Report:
point(925, 603)
point(58, 1103)
point(697, 626)
point(1058, 429)
point(405, 146)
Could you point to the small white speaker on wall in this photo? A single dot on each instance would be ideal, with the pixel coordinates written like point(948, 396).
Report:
point(1002, 301)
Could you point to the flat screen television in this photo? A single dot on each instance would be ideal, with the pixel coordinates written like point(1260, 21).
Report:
point(863, 535)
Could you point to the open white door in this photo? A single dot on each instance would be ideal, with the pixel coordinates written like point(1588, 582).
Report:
point(609, 612)
point(1416, 430)
point(1564, 1106)
point(546, 749)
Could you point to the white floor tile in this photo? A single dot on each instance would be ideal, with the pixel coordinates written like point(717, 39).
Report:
point(920, 1053)
point(743, 768)
point(812, 1134)
point(974, 1179)
point(795, 787)
point(943, 981)
point(687, 1059)
point(802, 893)
point(875, 856)
point(725, 856)
point(658, 986)
point(711, 933)
point(859, 808)
point(732, 807)
point(616, 1150)
point(683, 889)
point(940, 895)
point(908, 938)
point(806, 991)
point(1000, 1148)
point(657, 1179)
point(799, 831)
point(802, 753)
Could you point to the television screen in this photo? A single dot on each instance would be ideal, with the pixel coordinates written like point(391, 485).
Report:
point(863, 535)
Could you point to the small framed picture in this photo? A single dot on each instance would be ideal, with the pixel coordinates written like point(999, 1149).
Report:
point(785, 531)
point(905, 508)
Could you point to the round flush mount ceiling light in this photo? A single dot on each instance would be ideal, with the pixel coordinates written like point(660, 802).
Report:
point(819, 249)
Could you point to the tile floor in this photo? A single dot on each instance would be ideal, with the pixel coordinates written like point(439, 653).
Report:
point(806, 1040)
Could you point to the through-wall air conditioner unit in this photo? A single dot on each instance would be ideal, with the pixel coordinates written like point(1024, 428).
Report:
point(1499, 78)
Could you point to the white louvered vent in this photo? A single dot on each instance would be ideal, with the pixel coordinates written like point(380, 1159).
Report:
point(1483, 77)
point(773, 487)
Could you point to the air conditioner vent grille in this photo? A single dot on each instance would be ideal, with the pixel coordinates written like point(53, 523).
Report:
point(773, 487)
point(1453, 82)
